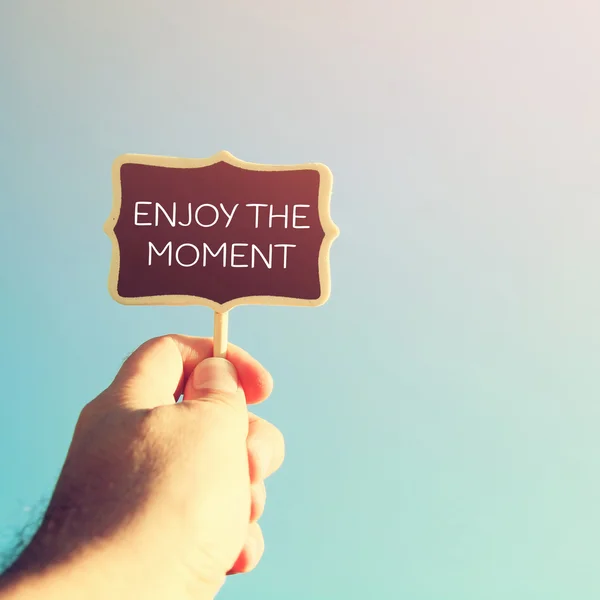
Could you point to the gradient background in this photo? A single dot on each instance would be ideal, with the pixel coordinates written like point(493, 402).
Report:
point(441, 411)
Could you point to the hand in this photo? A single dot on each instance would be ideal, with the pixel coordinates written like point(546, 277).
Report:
point(158, 498)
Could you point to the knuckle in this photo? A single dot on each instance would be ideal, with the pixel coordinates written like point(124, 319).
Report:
point(160, 342)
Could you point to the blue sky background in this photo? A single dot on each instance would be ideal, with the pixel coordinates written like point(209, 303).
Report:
point(441, 411)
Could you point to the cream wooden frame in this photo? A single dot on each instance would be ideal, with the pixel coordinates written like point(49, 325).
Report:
point(329, 227)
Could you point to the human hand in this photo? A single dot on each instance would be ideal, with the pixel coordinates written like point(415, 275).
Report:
point(157, 498)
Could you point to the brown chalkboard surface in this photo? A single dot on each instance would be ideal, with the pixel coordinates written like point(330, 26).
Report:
point(219, 232)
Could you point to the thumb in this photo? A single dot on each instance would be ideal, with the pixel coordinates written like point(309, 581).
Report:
point(215, 380)
point(214, 393)
point(217, 420)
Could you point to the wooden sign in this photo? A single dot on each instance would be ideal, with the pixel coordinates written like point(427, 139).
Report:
point(219, 232)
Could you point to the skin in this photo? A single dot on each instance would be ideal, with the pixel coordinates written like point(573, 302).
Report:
point(158, 499)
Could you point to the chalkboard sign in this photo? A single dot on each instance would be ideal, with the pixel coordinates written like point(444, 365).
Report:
point(219, 232)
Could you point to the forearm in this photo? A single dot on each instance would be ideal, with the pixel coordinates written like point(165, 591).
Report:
point(53, 583)
point(44, 570)
point(52, 567)
point(57, 563)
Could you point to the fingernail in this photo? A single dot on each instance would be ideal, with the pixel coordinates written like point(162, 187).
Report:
point(215, 374)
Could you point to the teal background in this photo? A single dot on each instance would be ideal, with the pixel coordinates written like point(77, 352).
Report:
point(441, 411)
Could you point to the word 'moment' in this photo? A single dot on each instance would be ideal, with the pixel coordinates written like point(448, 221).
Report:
point(189, 255)
point(234, 255)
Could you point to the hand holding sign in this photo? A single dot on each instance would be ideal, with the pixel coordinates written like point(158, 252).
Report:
point(219, 232)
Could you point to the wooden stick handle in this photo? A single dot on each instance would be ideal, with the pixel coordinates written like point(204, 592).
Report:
point(220, 335)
